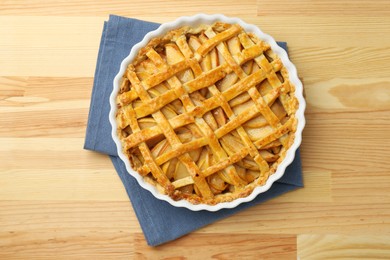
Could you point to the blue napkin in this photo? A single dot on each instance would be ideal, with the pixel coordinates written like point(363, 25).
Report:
point(159, 221)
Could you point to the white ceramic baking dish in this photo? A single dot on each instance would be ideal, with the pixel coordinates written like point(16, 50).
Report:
point(194, 21)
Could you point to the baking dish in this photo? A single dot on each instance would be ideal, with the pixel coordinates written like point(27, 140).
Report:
point(195, 21)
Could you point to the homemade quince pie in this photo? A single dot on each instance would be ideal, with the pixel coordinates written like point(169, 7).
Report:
point(206, 114)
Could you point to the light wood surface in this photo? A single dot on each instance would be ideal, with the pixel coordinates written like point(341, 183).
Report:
point(60, 201)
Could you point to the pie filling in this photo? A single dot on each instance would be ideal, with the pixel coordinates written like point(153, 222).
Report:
point(206, 114)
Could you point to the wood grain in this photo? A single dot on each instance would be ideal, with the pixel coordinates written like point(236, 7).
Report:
point(343, 247)
point(65, 244)
point(354, 95)
point(49, 46)
point(318, 188)
point(310, 218)
point(325, 7)
point(238, 246)
point(171, 8)
point(60, 201)
point(268, 218)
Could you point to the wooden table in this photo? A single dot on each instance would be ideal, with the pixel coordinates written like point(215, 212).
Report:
point(60, 201)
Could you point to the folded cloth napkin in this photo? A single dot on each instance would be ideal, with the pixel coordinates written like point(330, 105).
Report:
point(159, 221)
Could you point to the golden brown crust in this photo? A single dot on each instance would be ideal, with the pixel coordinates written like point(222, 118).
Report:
point(206, 114)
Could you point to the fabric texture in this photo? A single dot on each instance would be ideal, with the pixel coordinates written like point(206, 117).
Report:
point(159, 221)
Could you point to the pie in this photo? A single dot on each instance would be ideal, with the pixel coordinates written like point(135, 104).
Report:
point(206, 113)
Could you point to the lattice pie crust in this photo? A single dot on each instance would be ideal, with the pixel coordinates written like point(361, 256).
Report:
point(206, 114)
